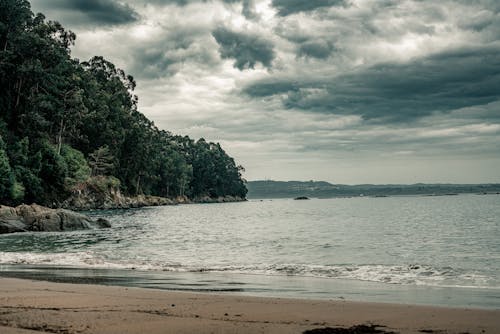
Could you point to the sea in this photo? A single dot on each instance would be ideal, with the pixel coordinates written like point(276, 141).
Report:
point(429, 250)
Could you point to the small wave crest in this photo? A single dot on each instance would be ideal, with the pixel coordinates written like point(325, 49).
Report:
point(412, 274)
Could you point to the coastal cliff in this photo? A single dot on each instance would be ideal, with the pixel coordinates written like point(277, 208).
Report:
point(114, 199)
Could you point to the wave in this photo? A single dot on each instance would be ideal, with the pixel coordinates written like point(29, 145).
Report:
point(411, 274)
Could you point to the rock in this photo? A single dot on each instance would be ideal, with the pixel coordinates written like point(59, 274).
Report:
point(301, 198)
point(103, 223)
point(99, 193)
point(222, 199)
point(74, 221)
point(7, 212)
point(34, 217)
point(11, 226)
point(88, 199)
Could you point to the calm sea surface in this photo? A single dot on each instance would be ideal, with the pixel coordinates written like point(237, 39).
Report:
point(431, 250)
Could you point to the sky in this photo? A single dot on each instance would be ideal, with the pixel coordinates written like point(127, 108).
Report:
point(346, 91)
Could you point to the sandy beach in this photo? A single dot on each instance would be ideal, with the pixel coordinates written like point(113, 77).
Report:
point(41, 307)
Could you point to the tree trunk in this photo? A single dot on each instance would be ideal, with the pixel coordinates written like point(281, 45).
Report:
point(20, 84)
point(6, 40)
point(137, 185)
point(59, 137)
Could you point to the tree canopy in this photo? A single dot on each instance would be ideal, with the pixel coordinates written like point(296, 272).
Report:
point(63, 122)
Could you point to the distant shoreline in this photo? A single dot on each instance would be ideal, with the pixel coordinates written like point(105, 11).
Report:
point(322, 189)
point(375, 196)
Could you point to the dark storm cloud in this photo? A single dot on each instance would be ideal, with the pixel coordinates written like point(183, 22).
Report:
point(397, 92)
point(183, 2)
point(246, 49)
point(289, 7)
point(493, 5)
point(106, 12)
point(319, 49)
point(165, 55)
point(247, 9)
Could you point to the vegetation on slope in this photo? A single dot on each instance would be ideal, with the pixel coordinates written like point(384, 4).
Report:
point(66, 123)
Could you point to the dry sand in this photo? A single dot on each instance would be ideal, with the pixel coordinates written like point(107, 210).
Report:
point(40, 307)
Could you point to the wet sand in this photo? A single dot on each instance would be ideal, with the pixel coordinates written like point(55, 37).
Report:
point(41, 307)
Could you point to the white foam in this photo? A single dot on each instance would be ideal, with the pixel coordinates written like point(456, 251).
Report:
point(410, 274)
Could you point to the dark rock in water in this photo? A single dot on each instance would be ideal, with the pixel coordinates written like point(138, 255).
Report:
point(31, 218)
point(301, 198)
point(103, 223)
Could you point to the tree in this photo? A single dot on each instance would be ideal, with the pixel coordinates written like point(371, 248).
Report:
point(14, 15)
point(56, 113)
point(53, 172)
point(7, 179)
point(78, 168)
point(175, 174)
point(101, 161)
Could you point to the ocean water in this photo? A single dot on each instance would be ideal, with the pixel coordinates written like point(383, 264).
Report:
point(428, 250)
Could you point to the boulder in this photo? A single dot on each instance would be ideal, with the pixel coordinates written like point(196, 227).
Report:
point(11, 226)
point(74, 221)
point(36, 218)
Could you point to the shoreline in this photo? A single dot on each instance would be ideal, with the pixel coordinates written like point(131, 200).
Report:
point(120, 202)
point(76, 308)
point(260, 285)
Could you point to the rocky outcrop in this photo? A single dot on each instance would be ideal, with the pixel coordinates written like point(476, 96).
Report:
point(103, 193)
point(31, 218)
point(115, 200)
point(222, 199)
point(89, 199)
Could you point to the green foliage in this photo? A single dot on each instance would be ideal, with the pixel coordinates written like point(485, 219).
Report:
point(7, 179)
point(78, 168)
point(53, 172)
point(103, 184)
point(32, 184)
point(214, 172)
point(101, 161)
point(64, 121)
point(175, 174)
point(17, 191)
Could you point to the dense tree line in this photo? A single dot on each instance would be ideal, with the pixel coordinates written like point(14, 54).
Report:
point(64, 122)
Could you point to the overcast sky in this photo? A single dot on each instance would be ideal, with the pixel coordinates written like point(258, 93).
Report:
point(347, 91)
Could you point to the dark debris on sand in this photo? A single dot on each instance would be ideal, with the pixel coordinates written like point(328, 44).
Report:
point(359, 329)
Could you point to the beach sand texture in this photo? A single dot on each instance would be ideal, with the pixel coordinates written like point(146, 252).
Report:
point(41, 307)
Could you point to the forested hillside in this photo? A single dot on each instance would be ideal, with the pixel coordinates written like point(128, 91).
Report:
point(321, 189)
point(66, 124)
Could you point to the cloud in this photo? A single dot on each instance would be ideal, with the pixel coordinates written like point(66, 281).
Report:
point(166, 57)
point(396, 92)
point(246, 49)
point(89, 12)
point(363, 86)
point(319, 49)
point(247, 9)
point(289, 7)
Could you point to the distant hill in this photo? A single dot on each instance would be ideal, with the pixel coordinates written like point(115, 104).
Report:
point(322, 189)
